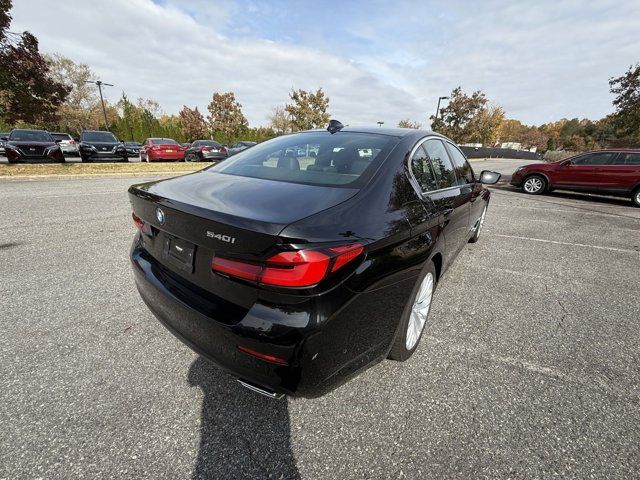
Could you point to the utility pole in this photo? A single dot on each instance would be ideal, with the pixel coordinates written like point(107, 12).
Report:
point(104, 110)
point(380, 124)
point(438, 109)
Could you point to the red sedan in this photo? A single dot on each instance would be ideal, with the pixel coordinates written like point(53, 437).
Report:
point(608, 172)
point(161, 150)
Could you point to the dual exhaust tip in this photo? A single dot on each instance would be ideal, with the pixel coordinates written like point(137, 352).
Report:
point(261, 390)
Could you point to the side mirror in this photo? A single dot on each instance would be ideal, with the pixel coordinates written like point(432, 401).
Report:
point(488, 177)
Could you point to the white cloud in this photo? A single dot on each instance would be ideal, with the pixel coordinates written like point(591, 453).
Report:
point(541, 61)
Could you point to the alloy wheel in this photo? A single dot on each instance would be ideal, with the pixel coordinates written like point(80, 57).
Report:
point(533, 185)
point(419, 311)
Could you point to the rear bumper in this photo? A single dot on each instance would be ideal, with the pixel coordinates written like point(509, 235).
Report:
point(162, 157)
point(321, 355)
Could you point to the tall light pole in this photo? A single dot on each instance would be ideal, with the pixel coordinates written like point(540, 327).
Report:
point(438, 109)
point(104, 110)
point(380, 124)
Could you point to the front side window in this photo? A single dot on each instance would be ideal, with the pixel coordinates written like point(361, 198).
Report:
point(442, 166)
point(30, 136)
point(627, 159)
point(594, 159)
point(315, 158)
point(464, 172)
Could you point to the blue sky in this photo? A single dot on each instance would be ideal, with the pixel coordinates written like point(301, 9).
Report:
point(376, 60)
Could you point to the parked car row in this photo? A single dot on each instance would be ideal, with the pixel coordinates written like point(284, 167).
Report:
point(92, 145)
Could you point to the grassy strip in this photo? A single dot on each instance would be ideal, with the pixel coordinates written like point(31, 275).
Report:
point(30, 170)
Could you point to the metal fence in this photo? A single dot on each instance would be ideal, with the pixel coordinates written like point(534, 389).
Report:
point(494, 152)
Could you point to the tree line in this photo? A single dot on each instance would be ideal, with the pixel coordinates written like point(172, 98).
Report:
point(470, 118)
point(51, 91)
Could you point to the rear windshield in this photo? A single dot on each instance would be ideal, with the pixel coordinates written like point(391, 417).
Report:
point(30, 136)
point(61, 136)
point(205, 143)
point(106, 137)
point(163, 141)
point(313, 158)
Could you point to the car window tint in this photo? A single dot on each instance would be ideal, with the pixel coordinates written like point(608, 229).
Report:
point(441, 163)
point(106, 137)
point(628, 159)
point(464, 172)
point(594, 159)
point(30, 136)
point(60, 136)
point(421, 168)
point(314, 158)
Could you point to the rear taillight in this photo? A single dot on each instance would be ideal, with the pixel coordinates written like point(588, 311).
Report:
point(140, 224)
point(300, 268)
point(263, 356)
point(224, 149)
point(204, 149)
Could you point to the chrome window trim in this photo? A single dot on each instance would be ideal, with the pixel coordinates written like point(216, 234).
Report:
point(412, 178)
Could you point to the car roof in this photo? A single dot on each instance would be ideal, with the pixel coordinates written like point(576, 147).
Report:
point(28, 130)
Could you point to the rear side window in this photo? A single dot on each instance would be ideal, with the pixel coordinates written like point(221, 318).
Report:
point(422, 171)
point(594, 159)
point(464, 172)
point(627, 159)
point(442, 166)
point(314, 158)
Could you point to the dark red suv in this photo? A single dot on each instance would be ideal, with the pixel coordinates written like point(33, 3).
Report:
point(609, 172)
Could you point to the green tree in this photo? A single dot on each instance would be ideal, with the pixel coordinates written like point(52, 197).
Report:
point(406, 123)
point(279, 121)
point(626, 88)
point(27, 91)
point(483, 127)
point(226, 120)
point(308, 110)
point(192, 124)
point(455, 118)
point(82, 109)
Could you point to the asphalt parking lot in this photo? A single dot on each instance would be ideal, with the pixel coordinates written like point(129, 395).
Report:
point(533, 372)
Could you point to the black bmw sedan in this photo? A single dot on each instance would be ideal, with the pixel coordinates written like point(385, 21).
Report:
point(294, 272)
point(39, 145)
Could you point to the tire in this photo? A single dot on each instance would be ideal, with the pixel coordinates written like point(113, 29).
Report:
point(636, 197)
point(415, 316)
point(84, 159)
point(478, 228)
point(534, 184)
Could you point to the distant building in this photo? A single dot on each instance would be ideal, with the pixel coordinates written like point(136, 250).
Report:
point(517, 146)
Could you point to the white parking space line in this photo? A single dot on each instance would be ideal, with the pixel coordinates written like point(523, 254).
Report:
point(530, 239)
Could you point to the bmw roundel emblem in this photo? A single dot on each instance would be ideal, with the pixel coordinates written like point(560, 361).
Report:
point(160, 215)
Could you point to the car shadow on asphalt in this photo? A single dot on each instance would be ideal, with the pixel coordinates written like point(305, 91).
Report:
point(242, 434)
